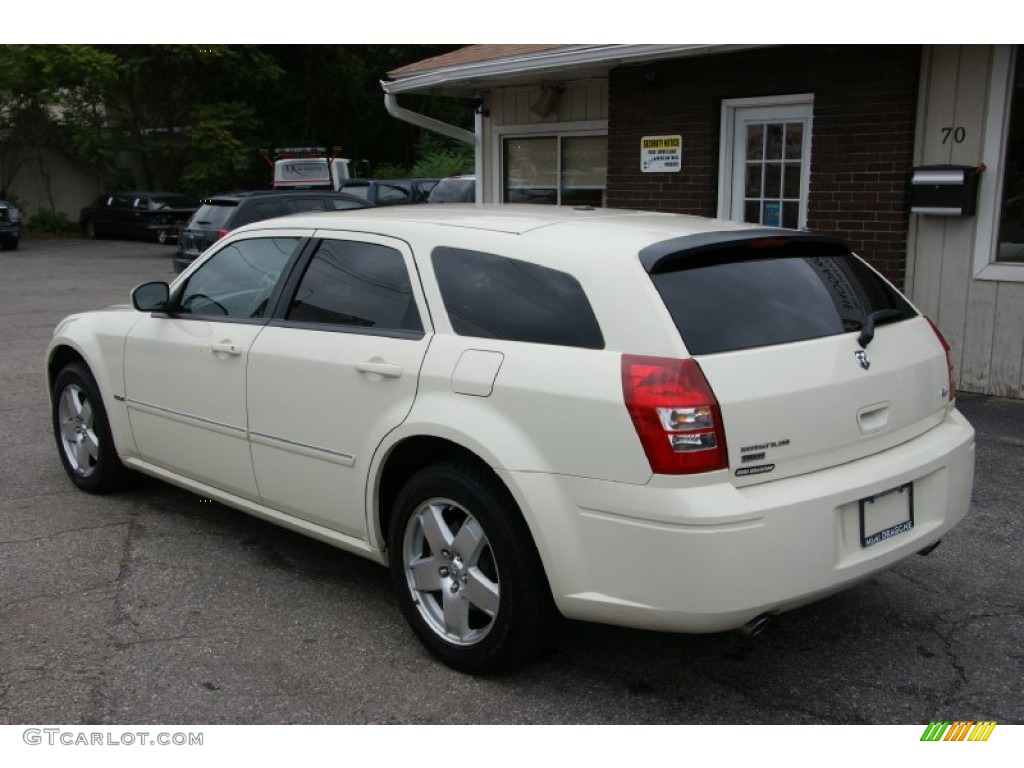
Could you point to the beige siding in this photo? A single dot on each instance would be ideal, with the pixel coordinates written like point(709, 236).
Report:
point(581, 101)
point(982, 319)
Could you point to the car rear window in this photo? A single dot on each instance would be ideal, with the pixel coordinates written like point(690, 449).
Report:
point(213, 214)
point(731, 301)
point(500, 298)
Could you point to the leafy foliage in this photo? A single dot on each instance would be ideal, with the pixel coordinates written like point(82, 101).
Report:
point(51, 222)
point(191, 118)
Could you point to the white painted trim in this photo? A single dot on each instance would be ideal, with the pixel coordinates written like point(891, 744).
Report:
point(997, 125)
point(555, 60)
point(728, 136)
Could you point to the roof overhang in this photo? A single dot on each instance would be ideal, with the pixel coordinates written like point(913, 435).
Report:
point(567, 62)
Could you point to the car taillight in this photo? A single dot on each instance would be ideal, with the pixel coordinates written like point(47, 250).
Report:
point(949, 358)
point(222, 233)
point(675, 413)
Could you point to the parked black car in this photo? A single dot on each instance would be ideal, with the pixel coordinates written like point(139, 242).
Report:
point(454, 189)
point(10, 226)
point(220, 214)
point(390, 191)
point(140, 215)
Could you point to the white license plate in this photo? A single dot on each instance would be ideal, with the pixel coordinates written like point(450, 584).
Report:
point(886, 514)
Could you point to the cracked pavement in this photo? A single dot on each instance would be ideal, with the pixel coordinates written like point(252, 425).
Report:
point(154, 606)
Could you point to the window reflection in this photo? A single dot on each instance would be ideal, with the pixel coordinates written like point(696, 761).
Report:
point(1011, 219)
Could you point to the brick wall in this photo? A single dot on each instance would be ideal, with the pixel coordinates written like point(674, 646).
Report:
point(865, 100)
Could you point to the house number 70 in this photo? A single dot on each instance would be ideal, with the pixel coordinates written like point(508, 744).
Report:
point(958, 134)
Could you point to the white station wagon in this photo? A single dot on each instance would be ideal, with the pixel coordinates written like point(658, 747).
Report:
point(643, 419)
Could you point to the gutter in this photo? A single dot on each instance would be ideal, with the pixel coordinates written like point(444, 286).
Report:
point(445, 129)
point(557, 60)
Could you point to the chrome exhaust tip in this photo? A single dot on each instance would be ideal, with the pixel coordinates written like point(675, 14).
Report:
point(755, 626)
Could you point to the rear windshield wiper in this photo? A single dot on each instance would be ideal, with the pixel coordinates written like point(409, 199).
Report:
point(867, 330)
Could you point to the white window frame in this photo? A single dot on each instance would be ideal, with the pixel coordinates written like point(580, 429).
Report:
point(539, 130)
point(990, 192)
point(726, 146)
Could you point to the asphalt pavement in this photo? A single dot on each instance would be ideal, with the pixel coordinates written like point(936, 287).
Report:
point(154, 606)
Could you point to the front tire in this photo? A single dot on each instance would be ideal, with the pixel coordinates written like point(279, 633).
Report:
point(82, 431)
point(468, 576)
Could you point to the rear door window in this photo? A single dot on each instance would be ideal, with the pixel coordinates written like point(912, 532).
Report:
point(732, 302)
point(358, 285)
point(496, 297)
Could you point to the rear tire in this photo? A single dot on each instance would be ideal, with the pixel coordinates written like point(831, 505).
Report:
point(10, 243)
point(82, 431)
point(468, 577)
point(89, 228)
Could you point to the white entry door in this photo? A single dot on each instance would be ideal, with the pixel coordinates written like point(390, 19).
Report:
point(765, 160)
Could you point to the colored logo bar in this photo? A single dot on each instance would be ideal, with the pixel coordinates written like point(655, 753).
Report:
point(958, 730)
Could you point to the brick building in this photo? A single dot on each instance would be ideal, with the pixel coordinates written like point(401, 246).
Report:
point(823, 137)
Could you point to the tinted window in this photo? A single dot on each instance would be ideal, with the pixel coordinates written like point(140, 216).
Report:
point(341, 204)
point(257, 211)
point(237, 281)
point(730, 304)
point(171, 201)
point(350, 283)
point(495, 297)
point(393, 193)
point(213, 214)
point(453, 191)
point(362, 191)
point(304, 204)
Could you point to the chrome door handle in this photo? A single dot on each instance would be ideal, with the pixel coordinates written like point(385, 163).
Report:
point(386, 370)
point(226, 348)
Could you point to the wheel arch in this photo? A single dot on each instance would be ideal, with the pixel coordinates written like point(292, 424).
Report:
point(60, 357)
point(403, 460)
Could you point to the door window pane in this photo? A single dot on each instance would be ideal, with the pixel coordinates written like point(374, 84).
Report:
point(794, 141)
point(772, 182)
point(363, 285)
point(238, 280)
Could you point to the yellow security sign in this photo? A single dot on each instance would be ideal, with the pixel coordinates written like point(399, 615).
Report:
point(661, 154)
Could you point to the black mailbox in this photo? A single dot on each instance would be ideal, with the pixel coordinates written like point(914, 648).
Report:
point(944, 190)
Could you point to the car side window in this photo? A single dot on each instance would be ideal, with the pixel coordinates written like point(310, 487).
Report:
point(496, 297)
point(257, 211)
point(341, 204)
point(358, 285)
point(393, 193)
point(304, 204)
point(362, 191)
point(238, 280)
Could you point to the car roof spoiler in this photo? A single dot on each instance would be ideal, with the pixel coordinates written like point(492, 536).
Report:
point(709, 248)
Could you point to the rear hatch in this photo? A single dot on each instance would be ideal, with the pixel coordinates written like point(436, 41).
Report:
point(815, 360)
point(204, 229)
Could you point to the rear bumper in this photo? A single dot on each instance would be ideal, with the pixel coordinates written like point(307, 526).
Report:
point(712, 557)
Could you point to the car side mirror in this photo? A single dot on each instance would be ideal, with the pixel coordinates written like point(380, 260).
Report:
point(151, 297)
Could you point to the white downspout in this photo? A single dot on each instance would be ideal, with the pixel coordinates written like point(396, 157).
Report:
point(478, 150)
point(445, 129)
